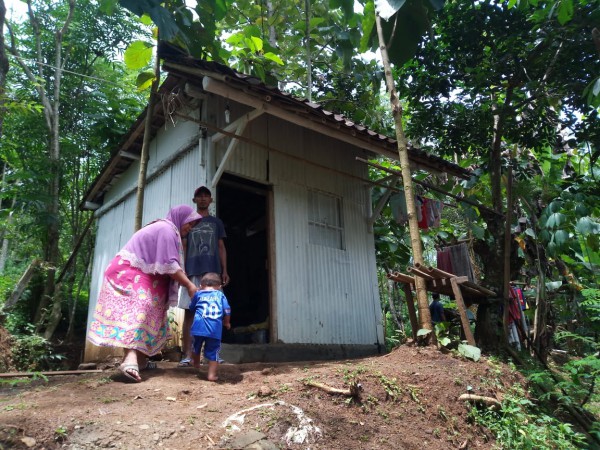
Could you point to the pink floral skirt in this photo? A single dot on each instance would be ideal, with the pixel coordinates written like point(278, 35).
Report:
point(132, 309)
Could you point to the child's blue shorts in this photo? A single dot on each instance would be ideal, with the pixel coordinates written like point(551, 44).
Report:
point(212, 347)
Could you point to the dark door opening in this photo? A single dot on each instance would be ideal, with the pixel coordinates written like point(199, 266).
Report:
point(242, 206)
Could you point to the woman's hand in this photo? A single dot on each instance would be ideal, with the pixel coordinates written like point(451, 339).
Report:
point(192, 289)
point(184, 281)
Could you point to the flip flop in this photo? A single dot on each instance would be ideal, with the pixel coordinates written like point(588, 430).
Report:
point(125, 368)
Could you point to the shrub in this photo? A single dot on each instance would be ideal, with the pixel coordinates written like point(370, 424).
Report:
point(521, 424)
point(33, 353)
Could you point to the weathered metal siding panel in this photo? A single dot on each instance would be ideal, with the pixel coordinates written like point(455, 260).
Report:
point(324, 295)
point(246, 160)
point(171, 139)
point(167, 142)
point(294, 307)
point(186, 175)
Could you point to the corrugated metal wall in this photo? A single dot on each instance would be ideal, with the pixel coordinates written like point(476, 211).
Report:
point(247, 160)
point(324, 295)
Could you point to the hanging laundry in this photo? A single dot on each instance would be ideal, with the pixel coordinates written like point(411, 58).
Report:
point(443, 260)
point(419, 207)
point(461, 262)
point(521, 298)
point(434, 213)
point(423, 221)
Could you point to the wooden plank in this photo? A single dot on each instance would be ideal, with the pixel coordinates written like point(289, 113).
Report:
point(56, 372)
point(462, 311)
point(412, 313)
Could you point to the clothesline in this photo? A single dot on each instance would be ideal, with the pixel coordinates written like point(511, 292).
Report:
point(432, 188)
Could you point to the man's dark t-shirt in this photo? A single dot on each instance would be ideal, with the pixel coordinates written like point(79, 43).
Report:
point(202, 252)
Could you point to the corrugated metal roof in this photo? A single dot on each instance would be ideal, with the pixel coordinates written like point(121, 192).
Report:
point(183, 68)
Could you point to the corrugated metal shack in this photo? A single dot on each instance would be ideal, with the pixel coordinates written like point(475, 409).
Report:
point(295, 203)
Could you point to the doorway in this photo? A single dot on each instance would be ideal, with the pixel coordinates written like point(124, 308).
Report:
point(242, 205)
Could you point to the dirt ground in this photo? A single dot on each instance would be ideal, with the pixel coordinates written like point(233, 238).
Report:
point(408, 400)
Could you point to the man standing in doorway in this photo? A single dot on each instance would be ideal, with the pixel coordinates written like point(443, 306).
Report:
point(204, 252)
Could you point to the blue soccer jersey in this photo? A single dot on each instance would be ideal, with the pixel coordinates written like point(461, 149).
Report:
point(210, 307)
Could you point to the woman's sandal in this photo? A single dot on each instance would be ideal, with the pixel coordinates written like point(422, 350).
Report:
point(127, 369)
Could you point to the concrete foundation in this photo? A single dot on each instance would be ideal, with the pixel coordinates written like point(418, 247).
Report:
point(247, 353)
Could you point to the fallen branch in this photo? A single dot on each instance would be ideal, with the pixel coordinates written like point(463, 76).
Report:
point(487, 401)
point(56, 372)
point(353, 391)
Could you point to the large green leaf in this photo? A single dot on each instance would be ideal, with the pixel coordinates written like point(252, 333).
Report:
point(273, 57)
point(555, 220)
point(404, 30)
point(564, 11)
point(561, 237)
point(144, 80)
point(387, 8)
point(404, 22)
point(368, 26)
point(585, 225)
point(160, 16)
point(138, 55)
point(469, 351)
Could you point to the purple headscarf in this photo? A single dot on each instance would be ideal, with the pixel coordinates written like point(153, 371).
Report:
point(156, 248)
point(182, 214)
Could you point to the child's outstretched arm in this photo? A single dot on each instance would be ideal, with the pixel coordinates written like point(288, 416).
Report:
point(227, 322)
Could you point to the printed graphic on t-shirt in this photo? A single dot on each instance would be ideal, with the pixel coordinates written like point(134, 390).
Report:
point(202, 240)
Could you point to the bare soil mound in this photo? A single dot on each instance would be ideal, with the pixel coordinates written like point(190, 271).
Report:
point(408, 400)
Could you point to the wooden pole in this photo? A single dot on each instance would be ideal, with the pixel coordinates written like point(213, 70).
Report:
point(462, 309)
point(413, 226)
point(507, 241)
point(412, 313)
point(145, 152)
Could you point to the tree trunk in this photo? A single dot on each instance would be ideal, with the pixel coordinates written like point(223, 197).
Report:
point(55, 315)
point(4, 66)
point(5, 240)
point(307, 47)
point(391, 301)
point(52, 112)
point(73, 309)
point(415, 236)
point(507, 244)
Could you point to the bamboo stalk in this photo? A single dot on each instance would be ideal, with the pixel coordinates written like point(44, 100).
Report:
point(420, 273)
point(401, 278)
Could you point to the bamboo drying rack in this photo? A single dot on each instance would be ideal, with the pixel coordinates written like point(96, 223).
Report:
point(445, 283)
